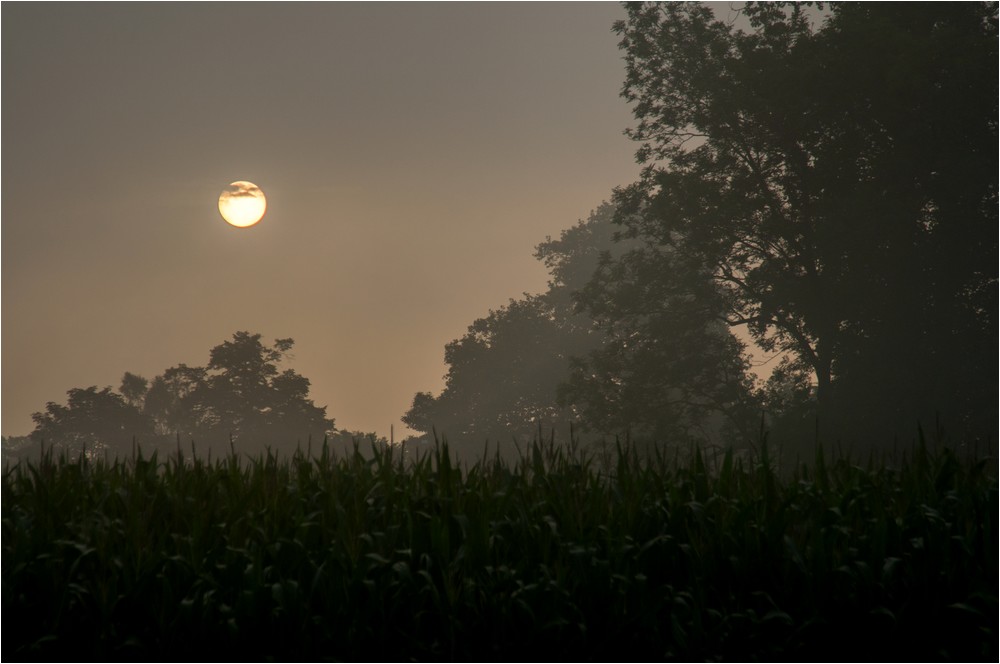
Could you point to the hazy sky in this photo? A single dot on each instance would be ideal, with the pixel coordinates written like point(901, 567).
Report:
point(412, 155)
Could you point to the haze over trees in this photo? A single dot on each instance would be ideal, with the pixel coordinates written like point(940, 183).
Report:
point(241, 397)
point(839, 187)
point(544, 362)
point(504, 373)
point(827, 183)
point(820, 186)
point(821, 183)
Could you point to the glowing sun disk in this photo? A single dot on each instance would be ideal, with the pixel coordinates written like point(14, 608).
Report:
point(242, 204)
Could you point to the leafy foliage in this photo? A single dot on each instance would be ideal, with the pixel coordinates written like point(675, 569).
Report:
point(561, 556)
point(836, 184)
point(669, 369)
point(91, 419)
point(241, 397)
point(543, 362)
point(504, 373)
point(825, 179)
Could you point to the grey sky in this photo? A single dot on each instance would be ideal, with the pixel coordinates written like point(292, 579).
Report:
point(412, 155)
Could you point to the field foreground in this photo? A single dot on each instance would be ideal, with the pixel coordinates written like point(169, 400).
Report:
point(563, 556)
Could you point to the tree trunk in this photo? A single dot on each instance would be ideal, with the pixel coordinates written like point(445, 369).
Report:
point(824, 407)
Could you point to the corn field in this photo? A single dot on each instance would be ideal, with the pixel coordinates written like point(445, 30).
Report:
point(565, 555)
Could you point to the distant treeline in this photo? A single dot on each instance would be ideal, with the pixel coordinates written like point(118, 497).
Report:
point(241, 401)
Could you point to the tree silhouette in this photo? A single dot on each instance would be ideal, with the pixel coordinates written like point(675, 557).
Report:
point(668, 369)
point(667, 373)
point(174, 402)
point(241, 397)
point(94, 420)
point(133, 389)
point(503, 377)
point(504, 373)
point(544, 362)
point(836, 184)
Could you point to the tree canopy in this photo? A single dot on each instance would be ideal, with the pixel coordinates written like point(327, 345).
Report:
point(834, 175)
point(545, 361)
point(93, 420)
point(820, 178)
point(241, 397)
point(504, 373)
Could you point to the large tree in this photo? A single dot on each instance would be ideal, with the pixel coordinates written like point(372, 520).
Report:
point(668, 369)
point(504, 373)
point(544, 361)
point(241, 395)
point(834, 175)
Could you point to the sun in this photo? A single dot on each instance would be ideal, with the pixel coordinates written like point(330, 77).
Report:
point(242, 204)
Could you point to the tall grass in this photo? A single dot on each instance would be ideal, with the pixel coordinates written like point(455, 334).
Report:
point(562, 555)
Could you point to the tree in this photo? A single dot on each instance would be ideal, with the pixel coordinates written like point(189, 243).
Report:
point(504, 373)
point(241, 397)
point(545, 362)
point(94, 420)
point(503, 377)
point(174, 402)
point(669, 370)
point(837, 186)
point(133, 389)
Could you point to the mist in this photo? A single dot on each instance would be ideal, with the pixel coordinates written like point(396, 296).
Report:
point(460, 332)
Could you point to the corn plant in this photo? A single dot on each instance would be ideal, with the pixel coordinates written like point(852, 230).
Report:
point(565, 554)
